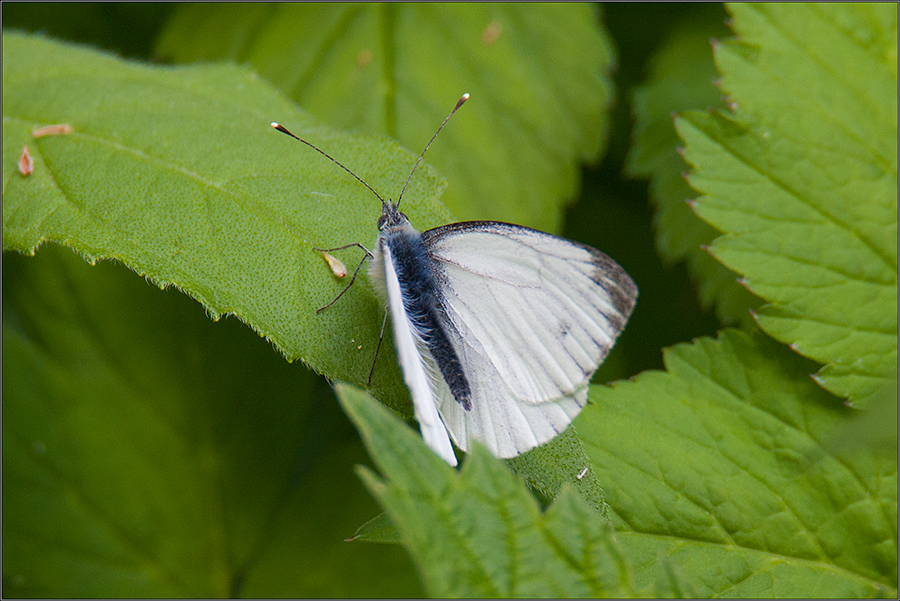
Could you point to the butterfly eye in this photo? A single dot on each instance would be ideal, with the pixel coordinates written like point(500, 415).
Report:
point(381, 222)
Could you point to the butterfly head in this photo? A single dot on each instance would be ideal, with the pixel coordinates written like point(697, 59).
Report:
point(391, 218)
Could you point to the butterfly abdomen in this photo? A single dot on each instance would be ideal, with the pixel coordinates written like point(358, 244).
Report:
point(423, 307)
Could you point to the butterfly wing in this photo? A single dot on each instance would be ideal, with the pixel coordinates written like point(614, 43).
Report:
point(531, 317)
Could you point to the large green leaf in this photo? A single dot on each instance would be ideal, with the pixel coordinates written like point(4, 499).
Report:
point(148, 451)
point(802, 177)
point(719, 464)
point(538, 75)
point(682, 76)
point(176, 173)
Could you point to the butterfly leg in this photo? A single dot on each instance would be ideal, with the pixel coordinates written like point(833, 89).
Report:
point(377, 348)
point(365, 258)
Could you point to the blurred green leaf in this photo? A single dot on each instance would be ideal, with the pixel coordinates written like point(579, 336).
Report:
point(128, 28)
point(681, 78)
point(478, 532)
point(150, 452)
point(537, 73)
point(802, 177)
point(718, 465)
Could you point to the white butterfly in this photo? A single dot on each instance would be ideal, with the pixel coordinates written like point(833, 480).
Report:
point(498, 327)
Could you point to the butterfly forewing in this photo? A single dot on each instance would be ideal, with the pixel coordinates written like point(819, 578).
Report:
point(532, 316)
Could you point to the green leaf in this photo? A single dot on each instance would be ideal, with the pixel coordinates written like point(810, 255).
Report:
point(876, 426)
point(802, 177)
point(681, 78)
point(177, 174)
point(148, 452)
point(559, 462)
point(538, 75)
point(546, 470)
point(478, 532)
point(718, 464)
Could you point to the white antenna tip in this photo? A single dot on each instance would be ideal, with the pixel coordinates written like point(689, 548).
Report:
point(274, 124)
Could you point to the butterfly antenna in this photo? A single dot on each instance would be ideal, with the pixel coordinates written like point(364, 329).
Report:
point(455, 108)
point(285, 130)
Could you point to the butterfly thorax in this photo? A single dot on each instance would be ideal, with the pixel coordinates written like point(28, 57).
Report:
point(423, 304)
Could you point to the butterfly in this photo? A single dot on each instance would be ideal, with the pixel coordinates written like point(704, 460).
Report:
point(498, 327)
